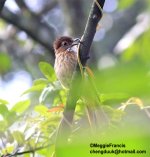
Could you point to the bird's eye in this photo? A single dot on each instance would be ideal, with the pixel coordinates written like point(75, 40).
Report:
point(64, 43)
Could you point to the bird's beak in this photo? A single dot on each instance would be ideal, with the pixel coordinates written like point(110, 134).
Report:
point(76, 41)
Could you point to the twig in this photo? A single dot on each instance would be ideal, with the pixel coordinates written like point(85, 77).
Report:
point(25, 8)
point(26, 152)
point(40, 32)
point(74, 94)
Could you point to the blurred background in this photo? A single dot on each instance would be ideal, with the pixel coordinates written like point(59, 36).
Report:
point(120, 59)
point(120, 51)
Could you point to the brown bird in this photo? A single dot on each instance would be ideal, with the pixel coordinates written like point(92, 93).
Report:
point(65, 59)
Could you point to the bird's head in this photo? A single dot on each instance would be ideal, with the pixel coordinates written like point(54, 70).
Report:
point(64, 43)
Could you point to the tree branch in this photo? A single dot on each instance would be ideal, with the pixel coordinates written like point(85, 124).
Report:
point(40, 32)
point(24, 8)
point(74, 94)
point(2, 2)
point(26, 152)
point(90, 30)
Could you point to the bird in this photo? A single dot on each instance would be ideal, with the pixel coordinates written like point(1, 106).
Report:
point(66, 59)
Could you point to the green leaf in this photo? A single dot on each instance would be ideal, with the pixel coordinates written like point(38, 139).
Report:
point(4, 102)
point(26, 155)
point(19, 137)
point(49, 91)
point(123, 4)
point(5, 62)
point(43, 110)
point(47, 152)
point(11, 117)
point(3, 125)
point(136, 51)
point(31, 144)
point(35, 88)
point(40, 81)
point(44, 93)
point(48, 71)
point(4, 110)
point(129, 77)
point(113, 96)
point(21, 106)
point(9, 149)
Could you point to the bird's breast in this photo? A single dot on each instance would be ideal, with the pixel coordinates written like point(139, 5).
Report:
point(65, 64)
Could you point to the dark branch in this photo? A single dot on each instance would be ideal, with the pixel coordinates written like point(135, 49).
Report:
point(24, 8)
point(90, 30)
point(22, 4)
point(74, 94)
point(2, 2)
point(40, 32)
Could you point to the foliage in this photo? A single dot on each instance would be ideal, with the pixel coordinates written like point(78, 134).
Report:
point(33, 128)
point(140, 49)
point(30, 126)
point(125, 4)
point(5, 63)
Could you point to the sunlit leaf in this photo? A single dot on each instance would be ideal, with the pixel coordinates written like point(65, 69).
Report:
point(21, 106)
point(123, 4)
point(4, 110)
point(40, 81)
point(4, 102)
point(31, 144)
point(113, 96)
point(11, 117)
point(35, 88)
point(47, 152)
point(48, 71)
point(3, 125)
point(5, 62)
point(9, 149)
point(19, 137)
point(26, 155)
point(136, 51)
point(43, 110)
point(130, 78)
